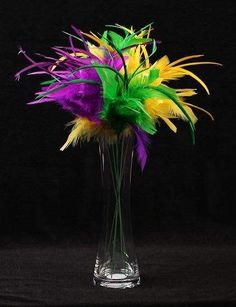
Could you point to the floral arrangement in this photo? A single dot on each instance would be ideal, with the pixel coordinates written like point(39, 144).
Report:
point(112, 88)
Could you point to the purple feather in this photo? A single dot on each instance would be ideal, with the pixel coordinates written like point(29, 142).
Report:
point(81, 99)
point(142, 141)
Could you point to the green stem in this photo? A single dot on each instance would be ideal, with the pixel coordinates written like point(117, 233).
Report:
point(122, 168)
point(117, 199)
point(114, 222)
point(117, 157)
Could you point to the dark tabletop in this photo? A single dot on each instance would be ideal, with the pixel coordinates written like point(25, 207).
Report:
point(176, 270)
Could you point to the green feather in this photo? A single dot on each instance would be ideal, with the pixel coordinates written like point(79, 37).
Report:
point(127, 110)
point(72, 35)
point(153, 75)
point(104, 36)
point(117, 39)
point(131, 41)
point(48, 82)
point(122, 59)
point(110, 81)
point(144, 92)
point(126, 32)
point(125, 106)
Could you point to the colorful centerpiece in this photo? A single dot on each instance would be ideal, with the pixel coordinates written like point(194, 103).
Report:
point(111, 87)
point(117, 97)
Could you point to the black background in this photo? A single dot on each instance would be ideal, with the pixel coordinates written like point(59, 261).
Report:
point(186, 193)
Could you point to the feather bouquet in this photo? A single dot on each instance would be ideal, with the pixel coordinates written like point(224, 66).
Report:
point(114, 91)
point(111, 87)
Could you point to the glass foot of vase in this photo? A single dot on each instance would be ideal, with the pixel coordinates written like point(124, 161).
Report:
point(120, 278)
point(118, 281)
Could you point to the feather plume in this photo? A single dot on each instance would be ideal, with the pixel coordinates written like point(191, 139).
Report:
point(112, 88)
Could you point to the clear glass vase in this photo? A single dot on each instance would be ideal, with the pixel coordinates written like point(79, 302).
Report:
point(116, 263)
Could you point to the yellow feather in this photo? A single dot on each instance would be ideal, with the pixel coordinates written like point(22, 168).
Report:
point(63, 58)
point(201, 109)
point(131, 31)
point(146, 57)
point(199, 63)
point(141, 34)
point(162, 62)
point(168, 109)
point(83, 129)
point(187, 72)
point(137, 56)
point(157, 82)
point(74, 136)
point(169, 123)
point(149, 31)
point(172, 73)
point(97, 40)
point(185, 92)
point(175, 111)
point(175, 73)
point(158, 107)
point(134, 59)
point(190, 113)
point(186, 58)
point(154, 107)
point(98, 52)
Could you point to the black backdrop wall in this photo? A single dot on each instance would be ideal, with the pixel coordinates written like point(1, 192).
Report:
point(47, 194)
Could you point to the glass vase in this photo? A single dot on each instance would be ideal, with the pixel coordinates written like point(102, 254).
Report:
point(116, 264)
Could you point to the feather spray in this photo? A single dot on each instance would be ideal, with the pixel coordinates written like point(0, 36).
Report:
point(111, 87)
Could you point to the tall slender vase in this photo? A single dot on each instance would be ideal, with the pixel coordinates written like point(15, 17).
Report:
point(116, 263)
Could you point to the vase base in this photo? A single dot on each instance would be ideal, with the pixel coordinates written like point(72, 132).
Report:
point(117, 282)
